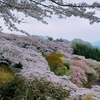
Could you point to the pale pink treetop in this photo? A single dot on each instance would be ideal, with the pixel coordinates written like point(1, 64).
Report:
point(81, 64)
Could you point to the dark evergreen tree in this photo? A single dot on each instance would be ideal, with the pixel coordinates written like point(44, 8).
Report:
point(86, 50)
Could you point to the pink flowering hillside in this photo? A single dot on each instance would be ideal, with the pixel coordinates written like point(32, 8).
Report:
point(24, 55)
point(79, 76)
point(81, 64)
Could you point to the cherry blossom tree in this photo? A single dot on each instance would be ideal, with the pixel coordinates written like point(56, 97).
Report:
point(39, 9)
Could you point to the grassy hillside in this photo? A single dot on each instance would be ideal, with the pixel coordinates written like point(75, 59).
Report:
point(59, 78)
point(6, 74)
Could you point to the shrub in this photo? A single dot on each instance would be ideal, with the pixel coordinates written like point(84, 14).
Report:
point(12, 89)
point(58, 54)
point(66, 60)
point(54, 61)
point(81, 64)
point(19, 65)
point(89, 96)
point(19, 89)
point(93, 64)
point(42, 89)
point(56, 65)
point(67, 65)
point(60, 71)
point(6, 74)
point(71, 74)
point(78, 73)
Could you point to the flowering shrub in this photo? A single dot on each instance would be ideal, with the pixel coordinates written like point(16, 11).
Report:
point(19, 89)
point(79, 75)
point(77, 80)
point(65, 60)
point(81, 64)
point(78, 57)
point(93, 64)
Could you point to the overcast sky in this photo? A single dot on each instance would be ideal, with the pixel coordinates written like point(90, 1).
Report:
point(69, 29)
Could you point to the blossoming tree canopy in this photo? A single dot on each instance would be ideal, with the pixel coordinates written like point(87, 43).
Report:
point(39, 9)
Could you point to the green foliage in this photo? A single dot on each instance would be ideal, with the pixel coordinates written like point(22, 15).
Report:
point(89, 96)
point(87, 51)
point(76, 58)
point(61, 71)
point(66, 60)
point(42, 89)
point(92, 80)
point(58, 54)
point(19, 65)
point(56, 65)
point(50, 38)
point(43, 56)
point(60, 40)
point(19, 89)
point(67, 65)
point(6, 74)
point(70, 73)
point(54, 61)
point(12, 89)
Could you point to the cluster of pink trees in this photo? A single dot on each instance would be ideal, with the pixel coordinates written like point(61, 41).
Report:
point(81, 64)
point(80, 71)
point(79, 76)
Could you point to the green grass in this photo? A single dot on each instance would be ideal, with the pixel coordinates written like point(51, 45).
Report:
point(6, 74)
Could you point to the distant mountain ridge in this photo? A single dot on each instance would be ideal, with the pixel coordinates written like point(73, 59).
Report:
point(81, 41)
point(96, 44)
point(65, 40)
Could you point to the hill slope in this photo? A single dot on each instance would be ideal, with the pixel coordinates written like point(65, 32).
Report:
point(29, 52)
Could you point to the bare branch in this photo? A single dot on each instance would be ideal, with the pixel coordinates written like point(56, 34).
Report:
point(45, 8)
point(73, 5)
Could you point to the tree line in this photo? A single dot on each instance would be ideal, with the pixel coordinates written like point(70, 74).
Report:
point(86, 50)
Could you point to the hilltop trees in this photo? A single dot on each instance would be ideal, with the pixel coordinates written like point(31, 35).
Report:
point(39, 9)
point(87, 51)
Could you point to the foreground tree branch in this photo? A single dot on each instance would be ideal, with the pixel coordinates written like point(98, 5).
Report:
point(39, 9)
point(84, 5)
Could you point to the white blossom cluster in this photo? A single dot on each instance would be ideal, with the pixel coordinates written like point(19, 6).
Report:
point(37, 44)
point(34, 65)
point(39, 9)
